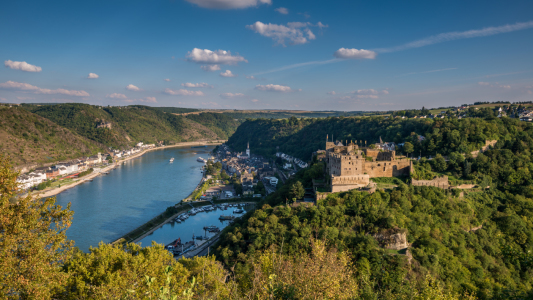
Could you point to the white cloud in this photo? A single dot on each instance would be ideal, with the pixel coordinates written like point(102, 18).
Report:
point(273, 88)
point(210, 68)
point(22, 65)
point(368, 96)
point(497, 85)
point(354, 54)
point(18, 86)
point(218, 57)
point(232, 95)
point(3, 99)
point(150, 99)
point(296, 33)
point(250, 77)
point(131, 87)
point(24, 98)
point(227, 74)
point(183, 92)
point(167, 80)
point(254, 100)
point(282, 10)
point(332, 93)
point(197, 85)
point(92, 76)
point(229, 4)
point(116, 96)
point(367, 92)
point(456, 35)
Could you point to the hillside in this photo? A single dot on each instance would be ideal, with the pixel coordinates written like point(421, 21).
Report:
point(300, 137)
point(474, 242)
point(127, 125)
point(28, 138)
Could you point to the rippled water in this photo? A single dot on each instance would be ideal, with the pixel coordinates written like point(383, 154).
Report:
point(133, 193)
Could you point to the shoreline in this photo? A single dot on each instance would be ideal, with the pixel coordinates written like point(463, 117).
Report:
point(56, 191)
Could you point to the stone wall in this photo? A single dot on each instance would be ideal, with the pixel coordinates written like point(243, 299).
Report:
point(440, 182)
point(387, 168)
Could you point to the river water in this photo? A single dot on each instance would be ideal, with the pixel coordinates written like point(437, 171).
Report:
point(132, 194)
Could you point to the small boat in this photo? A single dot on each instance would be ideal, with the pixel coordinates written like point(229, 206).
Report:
point(172, 159)
point(216, 229)
point(223, 217)
point(210, 227)
point(238, 211)
point(199, 159)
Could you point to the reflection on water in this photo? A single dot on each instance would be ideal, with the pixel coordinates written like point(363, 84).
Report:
point(133, 193)
point(192, 226)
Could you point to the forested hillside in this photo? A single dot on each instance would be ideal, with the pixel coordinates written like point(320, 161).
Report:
point(222, 124)
point(29, 138)
point(475, 242)
point(128, 124)
point(300, 137)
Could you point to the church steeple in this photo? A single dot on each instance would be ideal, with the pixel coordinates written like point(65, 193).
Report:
point(248, 149)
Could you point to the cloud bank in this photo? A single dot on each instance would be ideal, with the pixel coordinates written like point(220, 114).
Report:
point(227, 74)
point(22, 66)
point(183, 92)
point(231, 95)
point(229, 4)
point(92, 76)
point(116, 96)
point(345, 53)
point(131, 87)
point(25, 87)
point(296, 33)
point(218, 57)
point(196, 85)
point(273, 88)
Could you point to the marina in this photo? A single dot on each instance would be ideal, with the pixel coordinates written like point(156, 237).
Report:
point(199, 225)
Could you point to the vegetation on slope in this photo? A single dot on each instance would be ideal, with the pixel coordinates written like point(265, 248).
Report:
point(479, 242)
point(38, 262)
point(222, 124)
point(129, 124)
point(300, 137)
point(28, 138)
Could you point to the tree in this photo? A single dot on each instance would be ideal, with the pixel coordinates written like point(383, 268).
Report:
point(408, 148)
point(297, 190)
point(32, 241)
point(439, 163)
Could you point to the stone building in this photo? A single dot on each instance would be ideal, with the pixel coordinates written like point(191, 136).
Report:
point(349, 167)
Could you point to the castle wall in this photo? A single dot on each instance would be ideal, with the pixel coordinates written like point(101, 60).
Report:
point(387, 168)
point(440, 182)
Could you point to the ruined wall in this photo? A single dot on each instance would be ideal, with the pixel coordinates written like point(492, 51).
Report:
point(440, 182)
point(387, 168)
point(372, 153)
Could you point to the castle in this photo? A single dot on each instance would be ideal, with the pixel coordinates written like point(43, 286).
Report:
point(350, 167)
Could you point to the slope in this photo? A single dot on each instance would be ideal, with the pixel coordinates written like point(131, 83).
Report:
point(28, 138)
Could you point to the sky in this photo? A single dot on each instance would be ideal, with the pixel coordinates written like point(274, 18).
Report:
point(267, 54)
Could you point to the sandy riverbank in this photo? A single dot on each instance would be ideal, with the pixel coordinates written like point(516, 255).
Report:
point(53, 192)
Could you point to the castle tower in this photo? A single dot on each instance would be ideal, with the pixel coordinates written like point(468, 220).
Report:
point(248, 149)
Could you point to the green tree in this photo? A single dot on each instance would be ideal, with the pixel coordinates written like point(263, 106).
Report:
point(32, 241)
point(297, 190)
point(408, 148)
point(439, 163)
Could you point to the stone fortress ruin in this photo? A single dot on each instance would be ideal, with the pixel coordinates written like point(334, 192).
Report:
point(351, 167)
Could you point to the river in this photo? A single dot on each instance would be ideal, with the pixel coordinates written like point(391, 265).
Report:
point(132, 194)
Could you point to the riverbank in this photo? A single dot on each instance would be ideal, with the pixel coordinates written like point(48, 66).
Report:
point(49, 193)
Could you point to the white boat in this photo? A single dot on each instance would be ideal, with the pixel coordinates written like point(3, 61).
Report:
point(172, 159)
point(199, 159)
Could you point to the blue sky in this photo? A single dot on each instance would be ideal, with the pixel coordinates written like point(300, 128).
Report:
point(309, 55)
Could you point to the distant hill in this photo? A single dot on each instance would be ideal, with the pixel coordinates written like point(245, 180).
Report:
point(28, 138)
point(120, 127)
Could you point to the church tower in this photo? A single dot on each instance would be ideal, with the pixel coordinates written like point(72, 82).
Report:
point(248, 149)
